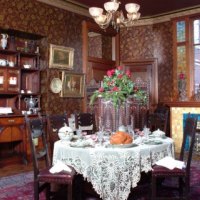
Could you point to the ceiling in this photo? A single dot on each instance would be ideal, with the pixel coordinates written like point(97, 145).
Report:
point(148, 7)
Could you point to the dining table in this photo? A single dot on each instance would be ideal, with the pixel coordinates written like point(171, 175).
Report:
point(112, 169)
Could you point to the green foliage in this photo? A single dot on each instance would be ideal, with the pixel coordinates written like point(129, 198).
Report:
point(117, 86)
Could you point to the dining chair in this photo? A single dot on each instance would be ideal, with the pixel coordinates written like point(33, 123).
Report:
point(54, 123)
point(157, 121)
point(41, 161)
point(165, 109)
point(181, 175)
point(85, 122)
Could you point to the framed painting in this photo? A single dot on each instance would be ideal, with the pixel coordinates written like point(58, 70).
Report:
point(61, 57)
point(73, 85)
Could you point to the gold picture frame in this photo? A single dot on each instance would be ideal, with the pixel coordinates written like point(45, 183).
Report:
point(61, 57)
point(73, 85)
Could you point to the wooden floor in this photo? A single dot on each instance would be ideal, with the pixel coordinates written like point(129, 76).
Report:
point(12, 169)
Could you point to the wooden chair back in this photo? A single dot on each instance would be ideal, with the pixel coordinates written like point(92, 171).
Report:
point(86, 122)
point(37, 135)
point(54, 123)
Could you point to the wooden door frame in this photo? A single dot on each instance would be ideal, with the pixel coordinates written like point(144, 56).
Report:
point(154, 80)
point(90, 26)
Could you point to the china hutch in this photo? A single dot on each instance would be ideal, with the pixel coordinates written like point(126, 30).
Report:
point(19, 82)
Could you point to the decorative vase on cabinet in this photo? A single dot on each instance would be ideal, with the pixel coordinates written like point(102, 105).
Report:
point(4, 41)
point(182, 87)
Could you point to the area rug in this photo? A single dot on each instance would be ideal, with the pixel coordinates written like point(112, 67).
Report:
point(20, 186)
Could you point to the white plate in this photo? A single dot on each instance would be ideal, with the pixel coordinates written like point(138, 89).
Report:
point(56, 85)
point(122, 145)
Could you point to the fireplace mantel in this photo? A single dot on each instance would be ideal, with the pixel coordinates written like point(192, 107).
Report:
point(183, 103)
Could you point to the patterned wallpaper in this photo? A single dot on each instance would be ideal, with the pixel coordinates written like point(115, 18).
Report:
point(59, 27)
point(151, 41)
point(100, 46)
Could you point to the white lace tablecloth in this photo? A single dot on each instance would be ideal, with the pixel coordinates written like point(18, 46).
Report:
point(112, 171)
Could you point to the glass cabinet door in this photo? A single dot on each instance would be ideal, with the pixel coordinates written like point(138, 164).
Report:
point(13, 79)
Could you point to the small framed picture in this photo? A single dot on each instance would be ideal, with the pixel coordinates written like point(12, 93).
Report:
point(73, 85)
point(61, 57)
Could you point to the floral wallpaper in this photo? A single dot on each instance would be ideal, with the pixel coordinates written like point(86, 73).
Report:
point(58, 27)
point(151, 41)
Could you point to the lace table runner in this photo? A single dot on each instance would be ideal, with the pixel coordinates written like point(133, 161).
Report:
point(112, 171)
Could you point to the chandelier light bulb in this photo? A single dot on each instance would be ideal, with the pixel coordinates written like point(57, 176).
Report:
point(95, 11)
point(111, 6)
point(101, 19)
point(132, 7)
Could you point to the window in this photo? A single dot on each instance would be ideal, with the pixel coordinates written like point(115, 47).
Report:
point(187, 52)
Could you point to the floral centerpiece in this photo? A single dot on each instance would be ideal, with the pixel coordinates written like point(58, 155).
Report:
point(181, 81)
point(117, 86)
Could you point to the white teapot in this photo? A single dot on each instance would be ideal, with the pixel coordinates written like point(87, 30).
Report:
point(65, 133)
point(159, 133)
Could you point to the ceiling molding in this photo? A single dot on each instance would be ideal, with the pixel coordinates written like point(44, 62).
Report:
point(166, 17)
point(69, 6)
point(81, 9)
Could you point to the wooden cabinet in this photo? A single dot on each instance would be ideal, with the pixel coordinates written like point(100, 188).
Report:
point(19, 81)
point(12, 139)
point(20, 71)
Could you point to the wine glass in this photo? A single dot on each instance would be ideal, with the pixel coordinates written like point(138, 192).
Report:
point(100, 136)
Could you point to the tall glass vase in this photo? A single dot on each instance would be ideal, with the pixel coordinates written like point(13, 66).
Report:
point(114, 116)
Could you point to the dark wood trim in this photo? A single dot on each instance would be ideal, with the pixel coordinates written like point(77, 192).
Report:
point(152, 62)
point(183, 104)
point(88, 26)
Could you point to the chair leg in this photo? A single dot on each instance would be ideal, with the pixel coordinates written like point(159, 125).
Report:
point(180, 186)
point(153, 193)
point(69, 192)
point(36, 190)
point(187, 188)
point(48, 188)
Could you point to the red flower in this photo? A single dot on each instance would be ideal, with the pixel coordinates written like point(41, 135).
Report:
point(101, 89)
point(120, 76)
point(128, 73)
point(181, 76)
point(110, 72)
point(115, 89)
point(119, 68)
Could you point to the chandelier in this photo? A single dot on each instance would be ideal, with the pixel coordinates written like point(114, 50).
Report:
point(113, 16)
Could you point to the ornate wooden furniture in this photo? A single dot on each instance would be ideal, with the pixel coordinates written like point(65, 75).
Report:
point(182, 175)
point(19, 81)
point(42, 177)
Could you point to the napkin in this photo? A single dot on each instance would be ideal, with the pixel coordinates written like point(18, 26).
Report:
point(171, 163)
point(58, 167)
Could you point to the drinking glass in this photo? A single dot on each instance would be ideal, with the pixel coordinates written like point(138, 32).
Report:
point(100, 136)
point(130, 130)
point(79, 133)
